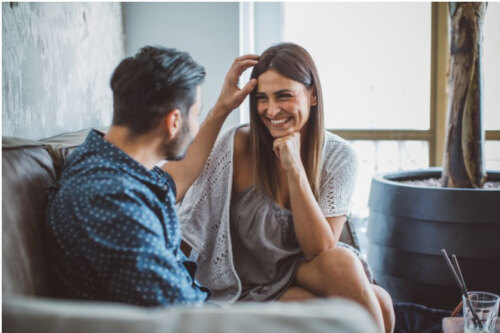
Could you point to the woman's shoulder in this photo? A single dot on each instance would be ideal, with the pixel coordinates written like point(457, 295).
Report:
point(224, 143)
point(242, 140)
point(242, 174)
point(337, 151)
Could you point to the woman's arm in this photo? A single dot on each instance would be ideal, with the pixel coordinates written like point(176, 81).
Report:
point(185, 171)
point(314, 232)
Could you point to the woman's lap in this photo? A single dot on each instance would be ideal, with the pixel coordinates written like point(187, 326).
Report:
point(337, 271)
point(296, 293)
point(308, 279)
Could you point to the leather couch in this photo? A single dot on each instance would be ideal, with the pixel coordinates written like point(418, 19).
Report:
point(28, 169)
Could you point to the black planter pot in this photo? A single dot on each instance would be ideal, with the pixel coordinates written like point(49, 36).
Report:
point(409, 225)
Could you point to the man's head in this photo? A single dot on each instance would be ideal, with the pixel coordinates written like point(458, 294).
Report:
point(158, 89)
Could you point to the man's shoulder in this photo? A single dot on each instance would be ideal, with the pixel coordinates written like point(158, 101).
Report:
point(106, 200)
point(91, 191)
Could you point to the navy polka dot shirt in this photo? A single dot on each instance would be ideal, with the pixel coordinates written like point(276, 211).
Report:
point(113, 233)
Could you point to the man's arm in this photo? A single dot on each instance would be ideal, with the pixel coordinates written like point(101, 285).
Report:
point(185, 171)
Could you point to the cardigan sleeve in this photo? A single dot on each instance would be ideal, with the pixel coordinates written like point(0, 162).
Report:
point(204, 217)
point(338, 176)
point(203, 203)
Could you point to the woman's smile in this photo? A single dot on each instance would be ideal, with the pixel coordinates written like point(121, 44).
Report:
point(282, 103)
point(279, 122)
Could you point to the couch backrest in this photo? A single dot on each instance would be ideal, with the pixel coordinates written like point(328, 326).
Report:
point(29, 168)
point(27, 171)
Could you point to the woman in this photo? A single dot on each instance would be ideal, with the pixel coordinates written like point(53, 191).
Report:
point(266, 214)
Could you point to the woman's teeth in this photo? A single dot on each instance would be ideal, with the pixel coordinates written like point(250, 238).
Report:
point(279, 121)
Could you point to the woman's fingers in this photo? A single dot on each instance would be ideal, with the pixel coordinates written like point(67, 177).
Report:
point(277, 153)
point(238, 68)
point(231, 96)
point(287, 149)
point(241, 66)
point(245, 57)
point(247, 89)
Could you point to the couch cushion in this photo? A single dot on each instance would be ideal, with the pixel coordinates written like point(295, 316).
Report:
point(61, 146)
point(54, 316)
point(27, 171)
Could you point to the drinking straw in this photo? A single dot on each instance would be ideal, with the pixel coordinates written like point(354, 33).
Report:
point(462, 287)
point(457, 266)
point(459, 271)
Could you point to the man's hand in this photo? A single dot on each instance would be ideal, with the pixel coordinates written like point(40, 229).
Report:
point(231, 96)
point(287, 149)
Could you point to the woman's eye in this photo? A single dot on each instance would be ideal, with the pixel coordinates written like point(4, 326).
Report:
point(284, 96)
point(260, 98)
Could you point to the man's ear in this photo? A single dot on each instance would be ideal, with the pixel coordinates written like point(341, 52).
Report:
point(172, 122)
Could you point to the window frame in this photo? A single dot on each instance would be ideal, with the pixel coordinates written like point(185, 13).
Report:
point(435, 135)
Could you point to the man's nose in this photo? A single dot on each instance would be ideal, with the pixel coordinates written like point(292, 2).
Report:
point(194, 128)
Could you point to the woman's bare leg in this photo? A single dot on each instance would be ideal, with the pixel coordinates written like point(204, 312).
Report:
point(296, 293)
point(338, 272)
point(386, 305)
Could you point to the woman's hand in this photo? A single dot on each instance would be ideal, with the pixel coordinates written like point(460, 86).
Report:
point(231, 96)
point(185, 171)
point(287, 149)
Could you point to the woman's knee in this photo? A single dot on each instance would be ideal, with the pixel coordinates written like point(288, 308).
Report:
point(338, 262)
point(384, 298)
point(386, 306)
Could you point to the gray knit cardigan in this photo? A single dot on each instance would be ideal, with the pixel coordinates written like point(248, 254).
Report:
point(204, 211)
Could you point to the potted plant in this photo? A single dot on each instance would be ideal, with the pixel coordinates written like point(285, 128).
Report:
point(414, 214)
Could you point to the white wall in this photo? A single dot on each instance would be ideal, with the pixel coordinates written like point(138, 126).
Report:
point(208, 31)
point(56, 62)
point(268, 25)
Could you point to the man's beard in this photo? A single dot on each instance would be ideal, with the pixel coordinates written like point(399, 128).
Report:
point(175, 150)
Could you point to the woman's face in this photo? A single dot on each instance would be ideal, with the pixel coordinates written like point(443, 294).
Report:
point(282, 103)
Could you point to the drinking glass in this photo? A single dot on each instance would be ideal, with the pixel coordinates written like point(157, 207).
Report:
point(486, 306)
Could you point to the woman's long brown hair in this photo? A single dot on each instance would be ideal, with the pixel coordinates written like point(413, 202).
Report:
point(294, 62)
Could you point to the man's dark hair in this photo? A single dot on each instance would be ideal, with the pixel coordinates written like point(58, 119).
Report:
point(150, 84)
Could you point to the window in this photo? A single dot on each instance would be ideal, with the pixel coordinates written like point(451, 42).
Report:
point(491, 67)
point(383, 74)
point(373, 60)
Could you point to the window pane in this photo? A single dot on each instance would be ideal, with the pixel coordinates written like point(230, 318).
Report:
point(381, 156)
point(491, 66)
point(492, 152)
point(384, 156)
point(373, 60)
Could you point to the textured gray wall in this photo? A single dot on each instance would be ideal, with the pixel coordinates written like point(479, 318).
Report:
point(57, 61)
point(208, 31)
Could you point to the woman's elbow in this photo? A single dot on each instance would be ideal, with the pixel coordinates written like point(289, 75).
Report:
point(319, 249)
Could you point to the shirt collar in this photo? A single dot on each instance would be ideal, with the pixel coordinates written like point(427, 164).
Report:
point(96, 143)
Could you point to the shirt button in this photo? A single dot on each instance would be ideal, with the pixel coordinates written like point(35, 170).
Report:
point(164, 187)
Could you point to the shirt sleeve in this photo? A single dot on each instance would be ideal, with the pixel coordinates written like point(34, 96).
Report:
point(128, 246)
point(338, 179)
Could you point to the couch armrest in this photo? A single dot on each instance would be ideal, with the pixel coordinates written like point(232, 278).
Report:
point(50, 315)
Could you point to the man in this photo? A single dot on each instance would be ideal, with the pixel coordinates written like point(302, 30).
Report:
point(112, 228)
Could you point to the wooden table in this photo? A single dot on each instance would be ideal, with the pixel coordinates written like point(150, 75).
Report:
point(456, 325)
